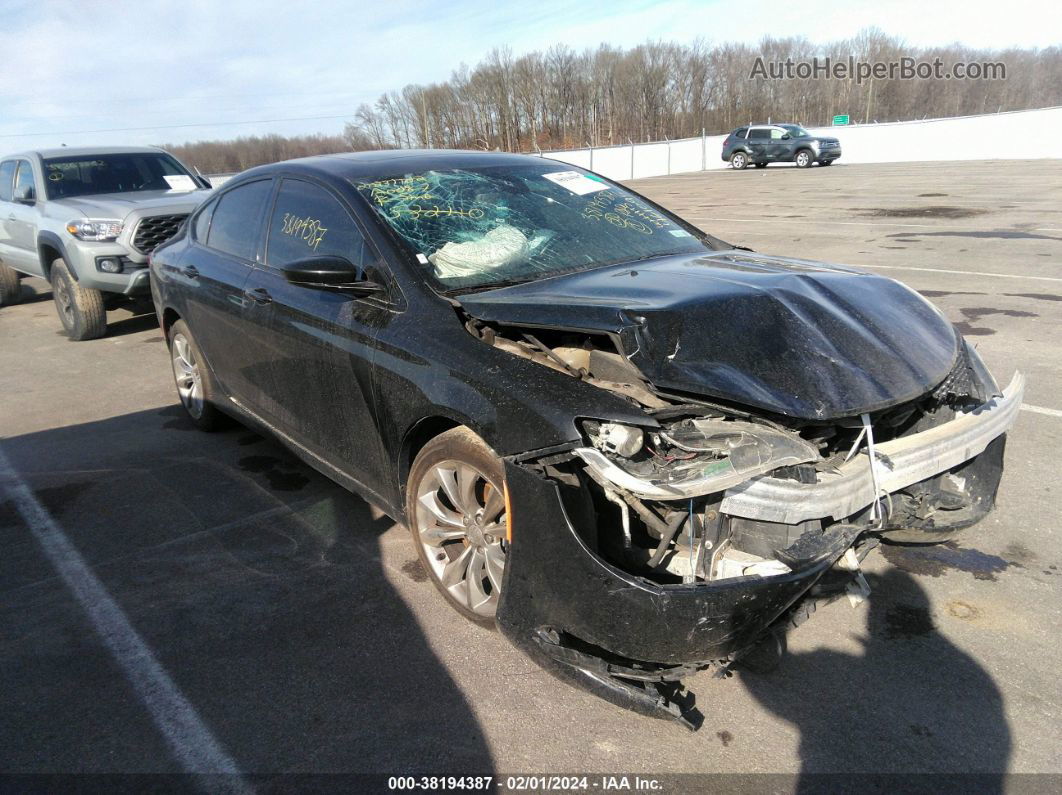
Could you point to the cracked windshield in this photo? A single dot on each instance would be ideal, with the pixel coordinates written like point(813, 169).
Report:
point(487, 227)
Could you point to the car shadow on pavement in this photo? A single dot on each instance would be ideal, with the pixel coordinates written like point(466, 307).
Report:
point(911, 704)
point(260, 586)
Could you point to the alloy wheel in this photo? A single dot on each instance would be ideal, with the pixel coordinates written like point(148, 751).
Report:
point(461, 525)
point(186, 374)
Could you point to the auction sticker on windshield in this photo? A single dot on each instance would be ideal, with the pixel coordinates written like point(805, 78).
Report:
point(179, 181)
point(577, 183)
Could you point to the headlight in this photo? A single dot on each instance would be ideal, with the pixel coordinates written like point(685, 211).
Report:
point(716, 455)
point(98, 229)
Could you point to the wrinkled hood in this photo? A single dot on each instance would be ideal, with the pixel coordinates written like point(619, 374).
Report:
point(798, 338)
point(119, 205)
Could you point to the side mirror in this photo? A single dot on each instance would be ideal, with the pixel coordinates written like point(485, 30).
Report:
point(26, 195)
point(337, 273)
point(785, 136)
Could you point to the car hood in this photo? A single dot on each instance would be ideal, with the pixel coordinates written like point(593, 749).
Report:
point(119, 205)
point(798, 338)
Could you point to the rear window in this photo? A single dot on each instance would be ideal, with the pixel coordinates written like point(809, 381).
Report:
point(759, 133)
point(742, 132)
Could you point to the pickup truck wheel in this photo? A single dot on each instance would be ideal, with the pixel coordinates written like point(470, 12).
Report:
point(10, 287)
point(739, 160)
point(195, 387)
point(80, 309)
point(456, 512)
point(803, 158)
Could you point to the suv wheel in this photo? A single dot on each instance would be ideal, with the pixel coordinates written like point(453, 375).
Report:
point(10, 287)
point(195, 387)
point(80, 309)
point(803, 158)
point(739, 160)
point(455, 509)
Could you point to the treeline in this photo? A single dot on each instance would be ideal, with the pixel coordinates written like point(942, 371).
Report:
point(226, 157)
point(561, 98)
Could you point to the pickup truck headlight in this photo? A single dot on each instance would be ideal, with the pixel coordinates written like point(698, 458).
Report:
point(98, 229)
point(717, 454)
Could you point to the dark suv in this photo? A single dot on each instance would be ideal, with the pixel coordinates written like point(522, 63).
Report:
point(760, 144)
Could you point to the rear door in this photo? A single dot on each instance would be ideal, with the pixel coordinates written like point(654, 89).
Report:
point(226, 243)
point(315, 347)
point(759, 141)
point(22, 219)
point(8, 256)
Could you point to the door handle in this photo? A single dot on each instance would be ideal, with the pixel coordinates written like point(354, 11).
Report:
point(260, 296)
point(192, 272)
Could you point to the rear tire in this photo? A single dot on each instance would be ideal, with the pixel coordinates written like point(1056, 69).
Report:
point(739, 160)
point(10, 286)
point(455, 511)
point(195, 385)
point(80, 309)
point(803, 158)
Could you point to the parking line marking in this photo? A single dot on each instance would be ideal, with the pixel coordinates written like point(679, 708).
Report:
point(804, 222)
point(1041, 410)
point(962, 273)
point(193, 745)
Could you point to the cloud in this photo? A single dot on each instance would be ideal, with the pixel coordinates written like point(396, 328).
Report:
point(74, 65)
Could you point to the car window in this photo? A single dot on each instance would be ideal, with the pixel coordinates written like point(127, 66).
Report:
point(473, 228)
point(776, 134)
point(90, 175)
point(24, 178)
point(237, 219)
point(759, 133)
point(742, 132)
point(202, 221)
point(307, 220)
point(7, 176)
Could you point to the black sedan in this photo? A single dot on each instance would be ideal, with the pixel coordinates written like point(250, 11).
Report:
point(636, 449)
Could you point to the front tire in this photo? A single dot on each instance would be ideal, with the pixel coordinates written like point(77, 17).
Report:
point(10, 286)
point(739, 160)
point(456, 513)
point(80, 309)
point(195, 386)
point(803, 158)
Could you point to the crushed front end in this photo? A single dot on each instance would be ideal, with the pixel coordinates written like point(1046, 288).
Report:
point(646, 553)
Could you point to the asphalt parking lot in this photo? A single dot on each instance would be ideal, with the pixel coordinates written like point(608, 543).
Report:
point(299, 634)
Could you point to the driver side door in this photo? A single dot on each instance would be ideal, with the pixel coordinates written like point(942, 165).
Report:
point(315, 345)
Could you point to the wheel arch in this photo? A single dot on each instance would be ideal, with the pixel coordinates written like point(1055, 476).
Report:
point(423, 431)
point(49, 249)
point(168, 318)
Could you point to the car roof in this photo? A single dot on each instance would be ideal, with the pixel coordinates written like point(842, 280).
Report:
point(383, 163)
point(85, 151)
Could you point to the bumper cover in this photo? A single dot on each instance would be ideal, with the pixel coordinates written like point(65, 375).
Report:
point(900, 462)
point(592, 625)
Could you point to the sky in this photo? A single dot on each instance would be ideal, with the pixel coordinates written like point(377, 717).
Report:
point(85, 72)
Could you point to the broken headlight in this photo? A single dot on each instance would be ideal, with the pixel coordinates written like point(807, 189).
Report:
point(690, 458)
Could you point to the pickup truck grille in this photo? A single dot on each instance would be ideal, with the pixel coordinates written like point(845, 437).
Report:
point(155, 230)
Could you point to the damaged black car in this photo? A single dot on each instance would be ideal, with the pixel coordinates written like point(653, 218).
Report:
point(637, 450)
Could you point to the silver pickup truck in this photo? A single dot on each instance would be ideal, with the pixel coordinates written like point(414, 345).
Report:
point(87, 220)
